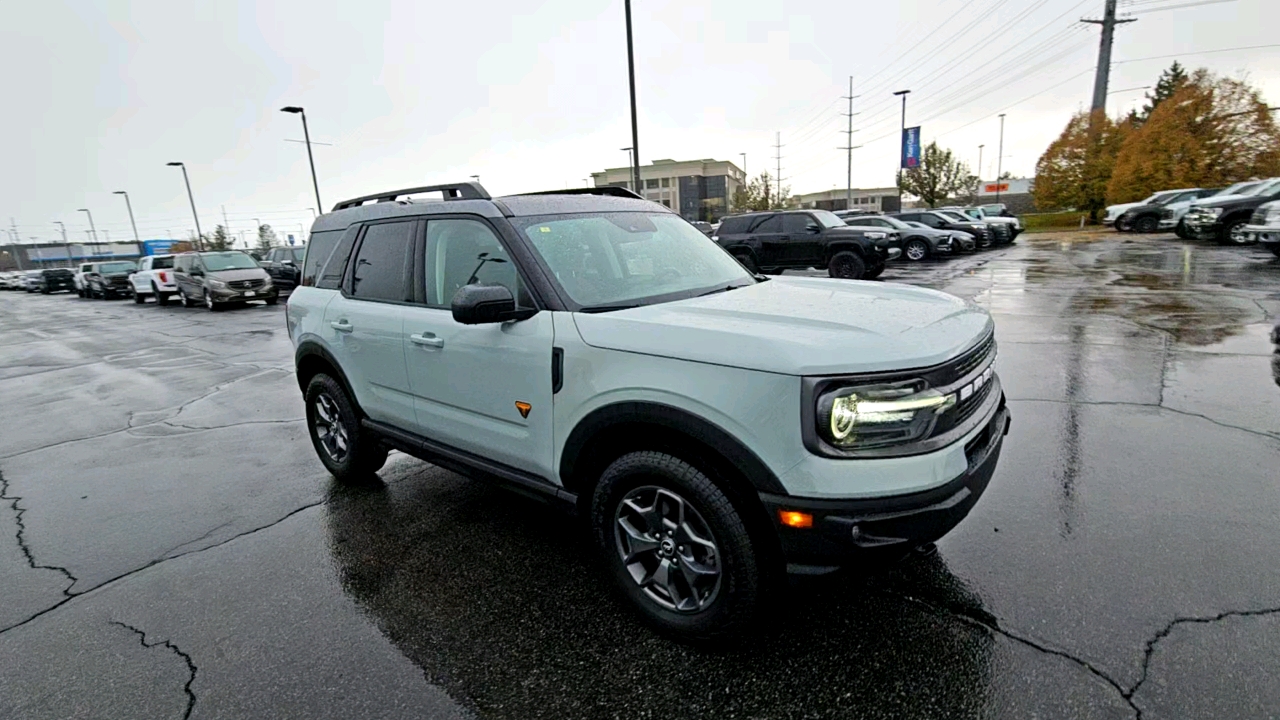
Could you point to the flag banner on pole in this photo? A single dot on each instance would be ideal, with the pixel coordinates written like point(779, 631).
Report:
point(911, 147)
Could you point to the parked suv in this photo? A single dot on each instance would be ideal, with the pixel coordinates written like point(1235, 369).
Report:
point(716, 427)
point(284, 265)
point(1146, 218)
point(222, 278)
point(106, 280)
point(918, 242)
point(801, 239)
point(1224, 218)
point(154, 277)
point(52, 280)
point(1264, 227)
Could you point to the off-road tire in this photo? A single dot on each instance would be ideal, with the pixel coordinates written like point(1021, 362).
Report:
point(1146, 224)
point(365, 454)
point(846, 265)
point(742, 582)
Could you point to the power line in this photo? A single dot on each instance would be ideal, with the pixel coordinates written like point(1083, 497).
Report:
point(1196, 52)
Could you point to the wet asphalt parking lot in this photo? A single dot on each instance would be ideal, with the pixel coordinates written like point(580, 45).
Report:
point(171, 547)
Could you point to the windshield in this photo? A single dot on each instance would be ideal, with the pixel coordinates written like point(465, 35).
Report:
point(116, 267)
point(917, 224)
point(1240, 188)
point(213, 262)
point(893, 221)
point(161, 263)
point(611, 260)
point(1264, 188)
point(828, 218)
point(953, 215)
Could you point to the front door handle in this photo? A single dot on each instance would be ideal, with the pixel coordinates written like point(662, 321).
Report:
point(427, 340)
point(341, 326)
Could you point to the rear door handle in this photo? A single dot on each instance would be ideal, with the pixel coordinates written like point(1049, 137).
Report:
point(427, 340)
point(341, 326)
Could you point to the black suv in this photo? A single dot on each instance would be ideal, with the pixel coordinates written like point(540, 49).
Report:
point(981, 232)
point(55, 280)
point(1224, 220)
point(801, 239)
point(284, 265)
point(107, 280)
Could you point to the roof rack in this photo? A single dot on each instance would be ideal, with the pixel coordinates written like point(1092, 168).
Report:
point(604, 190)
point(452, 191)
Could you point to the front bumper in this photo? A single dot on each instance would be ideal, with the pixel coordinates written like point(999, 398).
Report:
point(1202, 229)
point(1264, 234)
point(845, 531)
point(223, 295)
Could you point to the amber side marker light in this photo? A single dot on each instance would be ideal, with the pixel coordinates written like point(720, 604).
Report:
point(794, 519)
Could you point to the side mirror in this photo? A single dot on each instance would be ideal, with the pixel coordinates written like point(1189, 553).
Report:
point(481, 304)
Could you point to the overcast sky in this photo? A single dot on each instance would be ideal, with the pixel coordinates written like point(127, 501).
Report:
point(530, 96)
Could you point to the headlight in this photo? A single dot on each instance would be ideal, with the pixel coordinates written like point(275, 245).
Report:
point(215, 282)
point(1273, 214)
point(1212, 212)
point(876, 236)
point(871, 416)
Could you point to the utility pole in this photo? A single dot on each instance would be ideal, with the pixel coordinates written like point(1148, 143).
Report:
point(635, 172)
point(849, 148)
point(129, 205)
point(1000, 160)
point(778, 156)
point(192, 198)
point(901, 135)
point(1102, 75)
point(978, 190)
point(635, 130)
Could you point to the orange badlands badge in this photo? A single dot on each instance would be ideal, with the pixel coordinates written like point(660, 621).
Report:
point(524, 408)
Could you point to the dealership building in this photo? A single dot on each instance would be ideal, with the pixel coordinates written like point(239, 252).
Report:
point(697, 189)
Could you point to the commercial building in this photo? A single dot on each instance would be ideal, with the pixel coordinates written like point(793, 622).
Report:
point(697, 189)
point(33, 256)
point(876, 199)
point(1015, 193)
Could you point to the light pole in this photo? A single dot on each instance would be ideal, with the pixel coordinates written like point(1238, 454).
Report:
point(192, 198)
point(129, 205)
point(93, 232)
point(1000, 159)
point(635, 172)
point(65, 244)
point(978, 191)
point(903, 94)
point(476, 178)
point(631, 74)
point(306, 134)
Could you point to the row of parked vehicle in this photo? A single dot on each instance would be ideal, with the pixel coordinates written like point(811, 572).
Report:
point(1242, 214)
point(858, 244)
point(213, 279)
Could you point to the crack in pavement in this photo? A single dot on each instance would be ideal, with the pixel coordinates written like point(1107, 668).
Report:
point(20, 536)
point(191, 666)
point(1164, 632)
point(72, 596)
point(1251, 431)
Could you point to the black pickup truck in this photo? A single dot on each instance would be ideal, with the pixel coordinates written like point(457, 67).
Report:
point(1225, 220)
point(780, 240)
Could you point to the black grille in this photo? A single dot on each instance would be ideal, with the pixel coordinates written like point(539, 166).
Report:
point(969, 405)
point(245, 284)
point(971, 360)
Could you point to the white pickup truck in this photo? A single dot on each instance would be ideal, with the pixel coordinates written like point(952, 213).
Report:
point(154, 277)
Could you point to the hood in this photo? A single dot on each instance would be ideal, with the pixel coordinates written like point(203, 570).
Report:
point(1213, 199)
point(239, 274)
point(799, 326)
point(1226, 200)
point(1139, 207)
point(1115, 210)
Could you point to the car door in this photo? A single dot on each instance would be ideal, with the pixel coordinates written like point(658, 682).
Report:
point(802, 236)
point(140, 277)
point(768, 233)
point(484, 389)
point(364, 324)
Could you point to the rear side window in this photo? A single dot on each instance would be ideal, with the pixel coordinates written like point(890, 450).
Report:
point(319, 250)
point(735, 225)
point(771, 224)
point(378, 268)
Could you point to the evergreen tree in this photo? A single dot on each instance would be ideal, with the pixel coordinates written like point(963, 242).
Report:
point(266, 239)
point(219, 240)
point(1169, 83)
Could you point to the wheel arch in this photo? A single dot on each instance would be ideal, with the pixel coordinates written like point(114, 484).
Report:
point(311, 359)
point(835, 248)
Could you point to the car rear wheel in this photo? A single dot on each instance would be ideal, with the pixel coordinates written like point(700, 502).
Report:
point(916, 250)
point(138, 297)
point(676, 547)
point(847, 266)
point(349, 452)
point(1146, 224)
point(161, 298)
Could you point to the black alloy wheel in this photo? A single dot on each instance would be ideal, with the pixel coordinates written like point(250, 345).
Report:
point(916, 250)
point(846, 265)
point(349, 452)
point(1146, 224)
point(677, 547)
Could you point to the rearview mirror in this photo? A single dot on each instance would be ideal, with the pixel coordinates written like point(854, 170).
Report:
point(480, 304)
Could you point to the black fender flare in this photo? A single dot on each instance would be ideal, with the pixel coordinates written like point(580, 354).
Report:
point(576, 453)
point(307, 352)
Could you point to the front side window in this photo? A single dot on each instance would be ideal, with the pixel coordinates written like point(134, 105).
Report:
point(215, 262)
point(827, 218)
point(610, 260)
point(798, 224)
point(931, 220)
point(465, 252)
point(377, 270)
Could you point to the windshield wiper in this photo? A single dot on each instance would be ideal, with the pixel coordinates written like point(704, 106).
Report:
point(726, 288)
point(607, 308)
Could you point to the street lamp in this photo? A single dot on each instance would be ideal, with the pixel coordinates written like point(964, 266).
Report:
point(476, 178)
point(65, 244)
point(1000, 159)
point(129, 205)
point(192, 198)
point(903, 94)
point(93, 232)
point(306, 134)
point(631, 74)
point(635, 172)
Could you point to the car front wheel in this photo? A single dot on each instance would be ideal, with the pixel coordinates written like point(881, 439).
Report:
point(676, 547)
point(1233, 233)
point(186, 301)
point(1146, 224)
point(916, 250)
point(846, 265)
point(349, 452)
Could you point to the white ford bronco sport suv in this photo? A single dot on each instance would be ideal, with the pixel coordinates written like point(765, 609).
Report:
point(718, 428)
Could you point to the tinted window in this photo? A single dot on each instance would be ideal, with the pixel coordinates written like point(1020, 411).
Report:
point(161, 263)
point(465, 252)
point(771, 224)
point(873, 222)
point(734, 225)
point(377, 272)
point(228, 261)
point(798, 224)
point(930, 220)
point(319, 250)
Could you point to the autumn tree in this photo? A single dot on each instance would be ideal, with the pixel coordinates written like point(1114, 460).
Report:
point(1211, 132)
point(938, 176)
point(1074, 170)
point(761, 193)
